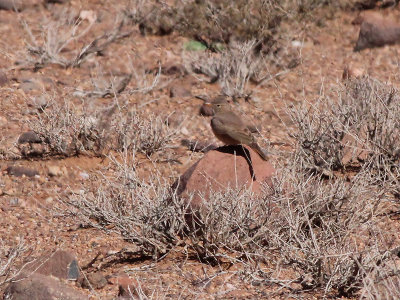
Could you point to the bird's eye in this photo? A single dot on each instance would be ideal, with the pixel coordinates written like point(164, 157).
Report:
point(218, 105)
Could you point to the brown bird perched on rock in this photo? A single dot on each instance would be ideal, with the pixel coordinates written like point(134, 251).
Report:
point(229, 128)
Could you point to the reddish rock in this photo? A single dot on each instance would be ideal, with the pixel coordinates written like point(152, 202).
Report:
point(350, 72)
point(40, 287)
point(376, 30)
point(60, 264)
point(93, 280)
point(220, 169)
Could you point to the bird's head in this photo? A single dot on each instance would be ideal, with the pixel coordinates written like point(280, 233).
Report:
point(219, 104)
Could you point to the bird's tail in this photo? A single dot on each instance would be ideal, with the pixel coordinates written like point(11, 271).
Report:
point(262, 152)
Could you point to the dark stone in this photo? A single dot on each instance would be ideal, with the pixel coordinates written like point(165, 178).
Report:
point(376, 30)
point(73, 270)
point(206, 110)
point(294, 63)
point(20, 171)
point(11, 5)
point(29, 137)
point(198, 146)
point(171, 69)
point(3, 78)
point(365, 4)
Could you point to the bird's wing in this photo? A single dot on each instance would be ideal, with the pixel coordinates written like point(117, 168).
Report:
point(230, 119)
point(236, 130)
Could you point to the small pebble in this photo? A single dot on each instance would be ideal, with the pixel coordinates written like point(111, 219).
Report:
point(84, 175)
point(3, 121)
point(14, 202)
point(184, 131)
point(54, 171)
point(296, 44)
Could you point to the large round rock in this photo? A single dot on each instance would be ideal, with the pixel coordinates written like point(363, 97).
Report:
point(225, 167)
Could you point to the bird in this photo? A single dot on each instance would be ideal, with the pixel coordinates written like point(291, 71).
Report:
point(229, 128)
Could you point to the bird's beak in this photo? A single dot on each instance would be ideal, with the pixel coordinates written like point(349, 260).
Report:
point(208, 104)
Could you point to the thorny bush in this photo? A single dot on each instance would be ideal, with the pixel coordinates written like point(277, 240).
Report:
point(327, 231)
point(356, 130)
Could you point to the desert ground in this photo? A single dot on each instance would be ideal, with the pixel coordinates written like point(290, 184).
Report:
point(102, 111)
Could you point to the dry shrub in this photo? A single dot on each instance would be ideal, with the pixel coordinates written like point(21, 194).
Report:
point(145, 134)
point(230, 226)
point(232, 68)
point(213, 21)
point(220, 21)
point(378, 287)
point(317, 227)
point(149, 214)
point(317, 139)
point(327, 232)
point(68, 130)
point(8, 258)
point(57, 37)
point(343, 247)
point(356, 130)
point(373, 109)
point(238, 65)
point(104, 88)
point(141, 211)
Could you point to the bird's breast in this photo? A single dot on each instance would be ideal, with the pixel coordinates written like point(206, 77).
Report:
point(220, 131)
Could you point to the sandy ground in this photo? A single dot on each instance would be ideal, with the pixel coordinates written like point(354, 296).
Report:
point(27, 204)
